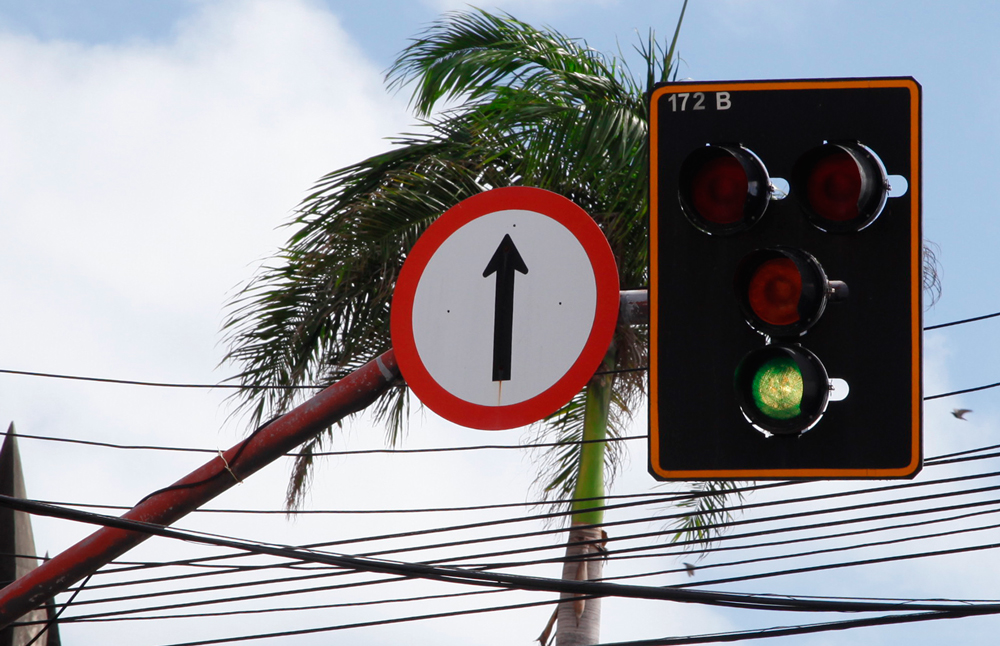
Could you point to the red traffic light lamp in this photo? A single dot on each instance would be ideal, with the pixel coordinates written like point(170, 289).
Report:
point(724, 189)
point(783, 291)
point(842, 187)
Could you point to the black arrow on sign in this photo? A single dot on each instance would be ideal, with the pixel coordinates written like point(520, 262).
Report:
point(505, 261)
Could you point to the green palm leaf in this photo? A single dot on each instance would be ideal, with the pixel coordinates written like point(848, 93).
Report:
point(529, 107)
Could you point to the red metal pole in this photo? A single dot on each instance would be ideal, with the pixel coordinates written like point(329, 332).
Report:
point(351, 394)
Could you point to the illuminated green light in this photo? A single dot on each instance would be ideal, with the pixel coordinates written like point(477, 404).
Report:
point(778, 387)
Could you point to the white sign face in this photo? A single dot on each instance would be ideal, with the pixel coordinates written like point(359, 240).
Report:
point(455, 314)
point(505, 308)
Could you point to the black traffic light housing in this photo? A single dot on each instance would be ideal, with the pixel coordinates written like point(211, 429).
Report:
point(781, 262)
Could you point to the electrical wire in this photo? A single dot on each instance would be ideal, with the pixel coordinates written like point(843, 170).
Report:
point(949, 460)
point(786, 631)
point(971, 320)
point(817, 552)
point(493, 523)
point(107, 616)
point(675, 516)
point(720, 526)
point(318, 387)
point(672, 551)
point(465, 560)
point(156, 384)
point(402, 451)
point(962, 392)
point(918, 483)
point(492, 579)
point(655, 533)
point(388, 451)
point(283, 592)
point(55, 619)
point(366, 624)
point(162, 384)
point(834, 566)
point(397, 579)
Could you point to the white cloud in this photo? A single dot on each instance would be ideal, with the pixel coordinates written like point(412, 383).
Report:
point(150, 177)
point(139, 183)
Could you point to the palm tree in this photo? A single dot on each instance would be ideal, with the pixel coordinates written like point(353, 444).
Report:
point(533, 108)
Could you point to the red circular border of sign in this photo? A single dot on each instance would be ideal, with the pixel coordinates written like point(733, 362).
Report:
point(492, 418)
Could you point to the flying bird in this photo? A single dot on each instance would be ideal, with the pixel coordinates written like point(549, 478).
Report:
point(690, 568)
point(960, 413)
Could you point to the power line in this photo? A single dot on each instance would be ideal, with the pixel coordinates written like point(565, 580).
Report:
point(465, 559)
point(832, 566)
point(962, 392)
point(156, 384)
point(403, 451)
point(971, 320)
point(493, 579)
point(389, 451)
point(786, 631)
point(783, 517)
point(160, 384)
point(628, 553)
point(662, 517)
point(108, 616)
point(829, 550)
point(909, 556)
point(366, 624)
point(780, 517)
point(960, 453)
point(616, 553)
point(163, 384)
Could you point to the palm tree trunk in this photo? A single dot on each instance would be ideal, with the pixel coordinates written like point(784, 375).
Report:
point(579, 618)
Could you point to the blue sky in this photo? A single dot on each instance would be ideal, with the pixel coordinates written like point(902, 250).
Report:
point(149, 151)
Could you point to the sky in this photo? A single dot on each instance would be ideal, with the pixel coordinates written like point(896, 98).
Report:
point(150, 154)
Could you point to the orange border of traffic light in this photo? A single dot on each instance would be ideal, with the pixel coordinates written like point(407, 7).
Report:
point(916, 287)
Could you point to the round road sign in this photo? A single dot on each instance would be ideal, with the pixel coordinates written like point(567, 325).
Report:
point(505, 308)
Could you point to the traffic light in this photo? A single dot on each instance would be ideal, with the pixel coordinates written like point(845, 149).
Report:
point(785, 279)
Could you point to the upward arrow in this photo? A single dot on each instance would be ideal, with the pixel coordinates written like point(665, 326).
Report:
point(505, 261)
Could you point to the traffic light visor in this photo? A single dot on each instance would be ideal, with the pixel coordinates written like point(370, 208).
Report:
point(723, 189)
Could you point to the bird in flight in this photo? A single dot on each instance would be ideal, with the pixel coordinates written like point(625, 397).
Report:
point(960, 413)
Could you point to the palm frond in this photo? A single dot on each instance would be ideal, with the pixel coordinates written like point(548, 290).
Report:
point(529, 106)
point(321, 310)
point(558, 465)
point(931, 272)
point(477, 57)
point(709, 510)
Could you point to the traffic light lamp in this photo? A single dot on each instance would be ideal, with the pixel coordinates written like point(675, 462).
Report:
point(782, 389)
point(785, 285)
point(843, 186)
point(723, 189)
